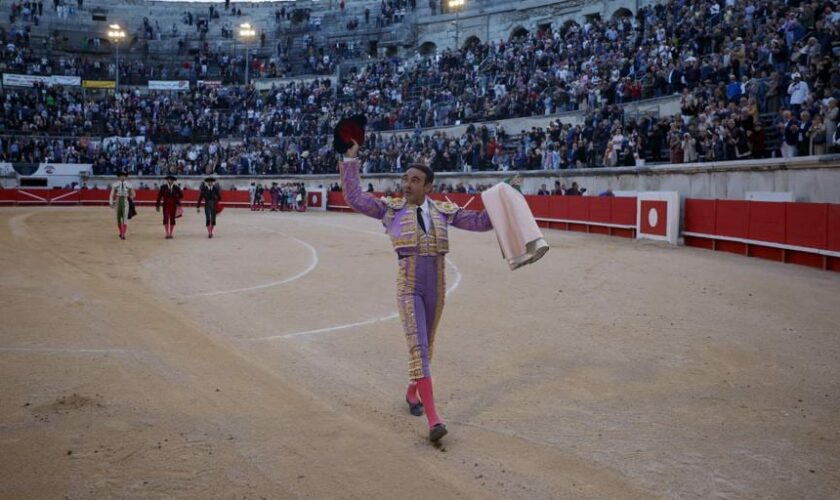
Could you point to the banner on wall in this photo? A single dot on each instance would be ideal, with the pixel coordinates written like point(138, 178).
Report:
point(67, 81)
point(267, 83)
point(15, 80)
point(124, 141)
point(11, 80)
point(99, 84)
point(177, 85)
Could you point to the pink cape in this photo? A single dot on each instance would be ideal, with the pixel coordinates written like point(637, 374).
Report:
point(519, 236)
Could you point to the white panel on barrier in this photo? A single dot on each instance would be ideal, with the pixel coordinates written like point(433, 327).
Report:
point(316, 199)
point(658, 215)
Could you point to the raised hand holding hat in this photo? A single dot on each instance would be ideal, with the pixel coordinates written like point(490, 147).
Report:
point(352, 151)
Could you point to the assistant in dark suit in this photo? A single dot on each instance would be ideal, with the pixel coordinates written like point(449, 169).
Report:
point(212, 195)
point(170, 194)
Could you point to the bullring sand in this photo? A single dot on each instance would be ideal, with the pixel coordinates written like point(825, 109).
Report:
point(267, 363)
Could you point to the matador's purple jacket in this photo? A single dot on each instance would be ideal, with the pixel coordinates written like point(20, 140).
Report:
point(399, 218)
point(421, 287)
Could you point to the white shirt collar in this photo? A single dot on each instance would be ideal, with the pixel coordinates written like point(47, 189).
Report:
point(425, 212)
point(425, 205)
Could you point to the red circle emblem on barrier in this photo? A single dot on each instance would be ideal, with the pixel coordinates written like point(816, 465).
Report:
point(654, 217)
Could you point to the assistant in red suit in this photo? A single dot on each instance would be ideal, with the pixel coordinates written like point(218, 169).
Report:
point(170, 194)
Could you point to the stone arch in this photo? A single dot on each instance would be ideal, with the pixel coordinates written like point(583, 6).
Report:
point(518, 32)
point(470, 41)
point(427, 48)
point(622, 13)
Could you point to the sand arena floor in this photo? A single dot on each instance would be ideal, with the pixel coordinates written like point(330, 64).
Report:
point(268, 363)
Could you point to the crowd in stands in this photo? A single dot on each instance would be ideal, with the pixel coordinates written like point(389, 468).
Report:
point(755, 79)
point(212, 61)
point(203, 51)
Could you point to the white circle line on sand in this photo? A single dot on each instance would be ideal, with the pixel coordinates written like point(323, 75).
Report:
point(358, 323)
point(312, 265)
point(339, 226)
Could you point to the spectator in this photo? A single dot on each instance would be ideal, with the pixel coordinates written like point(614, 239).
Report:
point(798, 92)
point(689, 148)
point(574, 190)
point(790, 135)
point(816, 137)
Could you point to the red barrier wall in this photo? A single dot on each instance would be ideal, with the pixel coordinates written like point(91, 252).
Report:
point(623, 211)
point(335, 201)
point(99, 197)
point(732, 218)
point(833, 228)
point(64, 197)
point(764, 220)
point(94, 196)
point(588, 214)
point(33, 196)
point(8, 197)
point(699, 216)
point(800, 233)
point(806, 224)
point(758, 229)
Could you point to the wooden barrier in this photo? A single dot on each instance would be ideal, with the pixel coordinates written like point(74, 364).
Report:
point(799, 233)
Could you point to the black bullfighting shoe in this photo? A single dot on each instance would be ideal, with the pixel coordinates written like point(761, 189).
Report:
point(415, 409)
point(437, 432)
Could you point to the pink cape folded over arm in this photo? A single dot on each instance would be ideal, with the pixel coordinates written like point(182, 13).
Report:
point(519, 236)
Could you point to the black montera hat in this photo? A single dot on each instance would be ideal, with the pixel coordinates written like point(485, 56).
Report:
point(348, 130)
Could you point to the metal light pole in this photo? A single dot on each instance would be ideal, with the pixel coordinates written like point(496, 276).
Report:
point(457, 6)
point(246, 33)
point(115, 35)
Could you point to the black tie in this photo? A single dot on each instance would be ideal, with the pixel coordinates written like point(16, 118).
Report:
point(420, 219)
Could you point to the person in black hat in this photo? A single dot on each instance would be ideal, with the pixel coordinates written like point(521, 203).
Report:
point(121, 195)
point(171, 195)
point(259, 197)
point(212, 195)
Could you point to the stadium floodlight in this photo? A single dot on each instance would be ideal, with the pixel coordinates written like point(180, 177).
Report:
point(115, 32)
point(457, 6)
point(247, 33)
point(115, 35)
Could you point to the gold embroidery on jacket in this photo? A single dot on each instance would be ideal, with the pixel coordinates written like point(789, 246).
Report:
point(410, 236)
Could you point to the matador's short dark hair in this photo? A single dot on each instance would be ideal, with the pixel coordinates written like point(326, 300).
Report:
point(430, 174)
